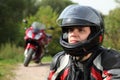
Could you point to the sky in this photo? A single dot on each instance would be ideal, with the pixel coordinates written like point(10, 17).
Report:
point(103, 6)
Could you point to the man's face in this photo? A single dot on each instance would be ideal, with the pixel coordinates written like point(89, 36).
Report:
point(78, 34)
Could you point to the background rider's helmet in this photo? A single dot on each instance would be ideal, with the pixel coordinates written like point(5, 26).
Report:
point(76, 15)
point(37, 27)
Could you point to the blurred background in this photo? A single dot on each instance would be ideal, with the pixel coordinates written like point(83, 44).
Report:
point(12, 28)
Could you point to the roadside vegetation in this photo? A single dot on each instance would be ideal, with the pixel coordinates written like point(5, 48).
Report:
point(12, 29)
point(10, 56)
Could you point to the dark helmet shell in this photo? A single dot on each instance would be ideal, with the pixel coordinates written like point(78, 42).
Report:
point(77, 15)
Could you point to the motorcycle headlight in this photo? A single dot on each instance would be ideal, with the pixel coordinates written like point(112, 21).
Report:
point(29, 34)
point(38, 36)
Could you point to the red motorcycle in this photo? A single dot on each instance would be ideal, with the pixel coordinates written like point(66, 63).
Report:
point(36, 39)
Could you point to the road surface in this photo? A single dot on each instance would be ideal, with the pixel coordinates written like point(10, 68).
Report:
point(32, 72)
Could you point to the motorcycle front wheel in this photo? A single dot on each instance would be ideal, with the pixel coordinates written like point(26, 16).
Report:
point(28, 57)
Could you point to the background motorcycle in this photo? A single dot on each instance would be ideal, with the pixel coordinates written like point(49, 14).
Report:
point(36, 39)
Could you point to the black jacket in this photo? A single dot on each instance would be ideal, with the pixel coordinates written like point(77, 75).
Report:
point(103, 65)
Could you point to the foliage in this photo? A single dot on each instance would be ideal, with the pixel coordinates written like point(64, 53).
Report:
point(47, 59)
point(9, 56)
point(30, 7)
point(112, 23)
point(56, 5)
point(118, 2)
point(10, 51)
point(7, 19)
point(11, 14)
point(6, 71)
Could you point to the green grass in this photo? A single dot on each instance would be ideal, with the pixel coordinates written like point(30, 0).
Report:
point(10, 56)
point(6, 67)
point(47, 59)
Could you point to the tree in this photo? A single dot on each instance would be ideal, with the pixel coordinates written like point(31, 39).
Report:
point(112, 23)
point(30, 7)
point(117, 1)
point(11, 14)
point(56, 5)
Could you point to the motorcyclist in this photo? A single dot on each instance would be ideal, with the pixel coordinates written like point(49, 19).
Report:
point(38, 28)
point(83, 57)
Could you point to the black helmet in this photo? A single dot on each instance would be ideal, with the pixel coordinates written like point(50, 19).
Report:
point(77, 15)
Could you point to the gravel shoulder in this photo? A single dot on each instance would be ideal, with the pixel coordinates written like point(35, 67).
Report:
point(32, 72)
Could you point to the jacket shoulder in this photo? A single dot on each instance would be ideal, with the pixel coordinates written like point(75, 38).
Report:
point(56, 60)
point(110, 59)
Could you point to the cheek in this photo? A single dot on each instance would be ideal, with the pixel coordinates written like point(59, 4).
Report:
point(68, 38)
point(83, 36)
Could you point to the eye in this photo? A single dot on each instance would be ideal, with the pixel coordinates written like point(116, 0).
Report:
point(70, 29)
point(81, 29)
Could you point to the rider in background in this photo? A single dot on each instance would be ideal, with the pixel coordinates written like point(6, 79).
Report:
point(38, 28)
point(84, 57)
